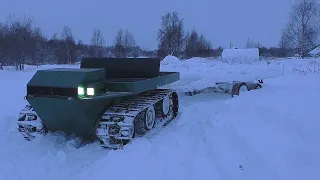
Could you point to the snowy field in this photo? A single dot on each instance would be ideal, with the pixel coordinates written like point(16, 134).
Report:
point(266, 134)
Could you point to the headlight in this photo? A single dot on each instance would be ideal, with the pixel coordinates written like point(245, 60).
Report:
point(90, 91)
point(80, 91)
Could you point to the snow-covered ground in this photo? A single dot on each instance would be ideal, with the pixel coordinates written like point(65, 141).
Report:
point(269, 133)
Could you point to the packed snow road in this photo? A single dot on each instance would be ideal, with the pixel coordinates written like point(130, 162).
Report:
point(269, 133)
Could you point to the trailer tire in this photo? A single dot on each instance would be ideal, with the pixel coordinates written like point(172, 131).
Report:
point(254, 86)
point(175, 101)
point(238, 87)
point(258, 86)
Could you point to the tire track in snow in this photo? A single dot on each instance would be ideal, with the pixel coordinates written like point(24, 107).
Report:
point(231, 153)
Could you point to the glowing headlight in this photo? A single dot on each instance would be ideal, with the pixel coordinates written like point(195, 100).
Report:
point(80, 91)
point(90, 91)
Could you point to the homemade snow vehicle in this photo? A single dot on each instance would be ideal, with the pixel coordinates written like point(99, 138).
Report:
point(109, 99)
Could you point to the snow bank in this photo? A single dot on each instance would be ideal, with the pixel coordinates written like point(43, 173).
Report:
point(271, 134)
point(240, 55)
point(253, 136)
point(170, 60)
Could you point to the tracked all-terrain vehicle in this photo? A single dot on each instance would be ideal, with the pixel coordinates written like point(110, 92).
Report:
point(110, 99)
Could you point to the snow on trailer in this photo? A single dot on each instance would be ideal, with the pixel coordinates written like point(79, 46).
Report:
point(232, 87)
point(213, 82)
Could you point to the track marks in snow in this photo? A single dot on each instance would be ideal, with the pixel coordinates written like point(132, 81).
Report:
point(176, 152)
point(271, 133)
point(49, 158)
point(278, 124)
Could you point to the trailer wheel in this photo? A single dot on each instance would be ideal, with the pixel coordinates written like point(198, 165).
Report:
point(145, 121)
point(175, 103)
point(239, 87)
point(258, 86)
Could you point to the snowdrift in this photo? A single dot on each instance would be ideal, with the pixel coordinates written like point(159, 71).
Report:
point(240, 56)
point(266, 134)
point(170, 60)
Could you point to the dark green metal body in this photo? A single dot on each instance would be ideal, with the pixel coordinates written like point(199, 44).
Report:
point(53, 93)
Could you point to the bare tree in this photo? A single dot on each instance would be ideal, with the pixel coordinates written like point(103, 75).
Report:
point(70, 46)
point(129, 43)
point(118, 49)
point(55, 50)
point(19, 41)
point(284, 43)
point(2, 45)
point(22, 43)
point(97, 38)
point(205, 47)
point(170, 35)
point(97, 42)
point(252, 44)
point(191, 47)
point(302, 30)
point(249, 43)
point(197, 45)
point(40, 48)
point(124, 44)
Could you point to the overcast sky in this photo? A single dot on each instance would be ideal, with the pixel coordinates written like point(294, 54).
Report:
point(222, 21)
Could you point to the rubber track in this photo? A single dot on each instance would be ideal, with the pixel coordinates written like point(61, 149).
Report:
point(132, 106)
point(126, 112)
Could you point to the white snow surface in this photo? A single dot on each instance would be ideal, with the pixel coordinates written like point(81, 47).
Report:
point(267, 134)
point(248, 55)
point(170, 60)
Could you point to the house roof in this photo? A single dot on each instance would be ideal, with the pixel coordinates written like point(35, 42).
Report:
point(315, 51)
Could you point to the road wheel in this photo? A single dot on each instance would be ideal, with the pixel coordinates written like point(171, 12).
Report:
point(145, 121)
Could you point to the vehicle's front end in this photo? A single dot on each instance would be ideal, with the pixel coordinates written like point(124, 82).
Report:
point(67, 100)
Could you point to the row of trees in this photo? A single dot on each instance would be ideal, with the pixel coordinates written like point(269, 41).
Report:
point(173, 40)
point(300, 35)
point(23, 43)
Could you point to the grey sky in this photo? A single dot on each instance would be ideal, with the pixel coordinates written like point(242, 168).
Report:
point(222, 21)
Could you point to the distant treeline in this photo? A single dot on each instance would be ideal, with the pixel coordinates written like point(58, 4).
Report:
point(23, 43)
